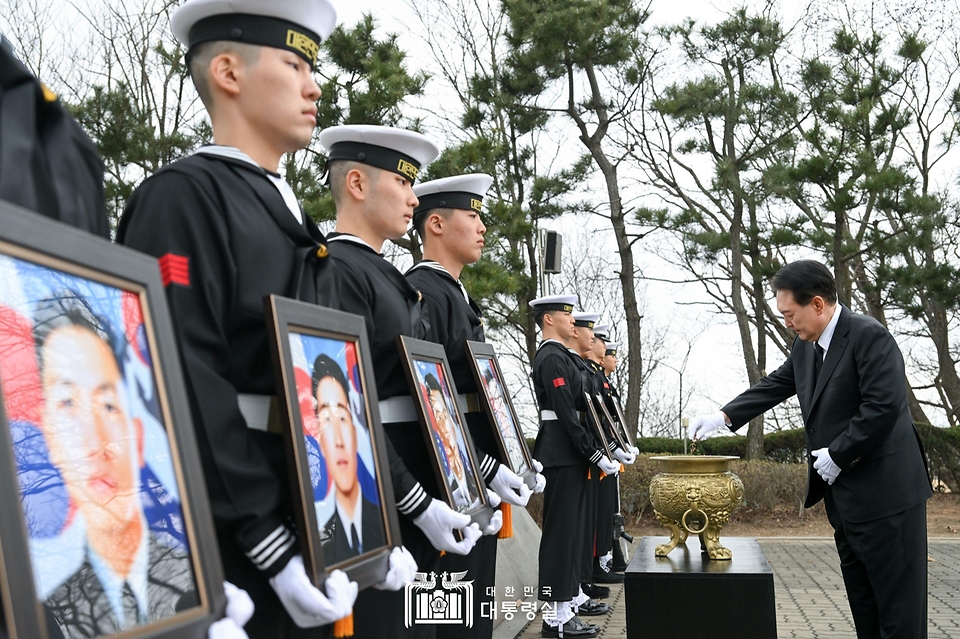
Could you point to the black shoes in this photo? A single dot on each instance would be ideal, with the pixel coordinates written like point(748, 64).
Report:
point(594, 591)
point(607, 578)
point(573, 628)
point(593, 608)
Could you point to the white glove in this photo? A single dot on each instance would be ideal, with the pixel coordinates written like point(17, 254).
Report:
point(239, 604)
point(226, 629)
point(607, 466)
point(507, 484)
point(541, 480)
point(438, 522)
point(624, 457)
point(703, 425)
point(403, 568)
point(635, 450)
point(496, 521)
point(825, 466)
point(307, 606)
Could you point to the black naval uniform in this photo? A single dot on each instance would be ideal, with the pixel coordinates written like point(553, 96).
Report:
point(455, 318)
point(373, 288)
point(567, 450)
point(607, 497)
point(592, 488)
point(612, 397)
point(225, 238)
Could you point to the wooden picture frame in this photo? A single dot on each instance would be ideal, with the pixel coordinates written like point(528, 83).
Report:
point(594, 420)
point(329, 404)
point(614, 425)
point(447, 437)
point(97, 448)
point(499, 409)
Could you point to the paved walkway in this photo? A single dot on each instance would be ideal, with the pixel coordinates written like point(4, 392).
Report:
point(811, 601)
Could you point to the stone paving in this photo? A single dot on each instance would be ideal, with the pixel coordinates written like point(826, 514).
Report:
point(811, 600)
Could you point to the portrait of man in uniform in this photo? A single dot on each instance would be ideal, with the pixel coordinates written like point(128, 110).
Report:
point(448, 437)
point(356, 523)
point(494, 390)
point(129, 574)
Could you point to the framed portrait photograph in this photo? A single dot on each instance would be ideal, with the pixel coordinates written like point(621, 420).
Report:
point(107, 493)
point(616, 429)
point(597, 426)
point(500, 412)
point(444, 428)
point(335, 443)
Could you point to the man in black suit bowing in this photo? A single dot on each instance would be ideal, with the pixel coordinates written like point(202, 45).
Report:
point(865, 457)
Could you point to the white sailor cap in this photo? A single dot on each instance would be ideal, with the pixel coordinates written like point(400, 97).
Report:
point(585, 319)
point(612, 348)
point(456, 192)
point(601, 331)
point(296, 25)
point(554, 303)
point(397, 150)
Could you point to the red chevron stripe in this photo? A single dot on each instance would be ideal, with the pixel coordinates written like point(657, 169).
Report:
point(175, 269)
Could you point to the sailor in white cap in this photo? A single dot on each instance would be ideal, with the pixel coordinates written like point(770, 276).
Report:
point(582, 344)
point(607, 489)
point(211, 218)
point(372, 170)
point(451, 231)
point(566, 450)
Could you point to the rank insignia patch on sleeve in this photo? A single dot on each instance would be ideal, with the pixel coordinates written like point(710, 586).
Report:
point(558, 382)
point(175, 269)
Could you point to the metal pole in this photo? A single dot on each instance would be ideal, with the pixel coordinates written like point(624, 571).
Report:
point(683, 431)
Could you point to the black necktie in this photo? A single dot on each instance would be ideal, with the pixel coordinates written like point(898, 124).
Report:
point(355, 539)
point(817, 361)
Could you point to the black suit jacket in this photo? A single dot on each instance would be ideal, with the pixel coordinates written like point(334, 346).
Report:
point(858, 409)
point(336, 544)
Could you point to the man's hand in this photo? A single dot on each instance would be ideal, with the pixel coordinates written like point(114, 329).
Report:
point(496, 522)
point(541, 480)
point(510, 488)
point(238, 613)
point(624, 457)
point(824, 465)
point(703, 425)
point(307, 606)
point(226, 628)
point(438, 522)
point(403, 568)
point(607, 466)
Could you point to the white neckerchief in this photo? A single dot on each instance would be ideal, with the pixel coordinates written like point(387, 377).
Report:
point(286, 192)
point(437, 266)
point(827, 336)
point(137, 577)
point(356, 519)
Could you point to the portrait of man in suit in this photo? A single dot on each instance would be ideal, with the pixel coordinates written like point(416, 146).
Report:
point(864, 454)
point(505, 423)
point(356, 524)
point(128, 576)
point(454, 450)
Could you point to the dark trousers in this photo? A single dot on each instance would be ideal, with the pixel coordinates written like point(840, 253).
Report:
point(884, 566)
point(589, 525)
point(562, 528)
point(379, 614)
point(606, 507)
point(270, 619)
point(481, 567)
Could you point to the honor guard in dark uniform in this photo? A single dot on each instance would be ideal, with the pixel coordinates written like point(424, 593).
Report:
point(371, 174)
point(447, 220)
point(607, 497)
point(227, 230)
point(618, 563)
point(582, 345)
point(567, 450)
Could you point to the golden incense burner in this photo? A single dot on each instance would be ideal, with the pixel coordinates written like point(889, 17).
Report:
point(695, 494)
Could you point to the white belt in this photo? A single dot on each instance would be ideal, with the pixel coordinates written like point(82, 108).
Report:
point(398, 409)
point(260, 412)
point(547, 415)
